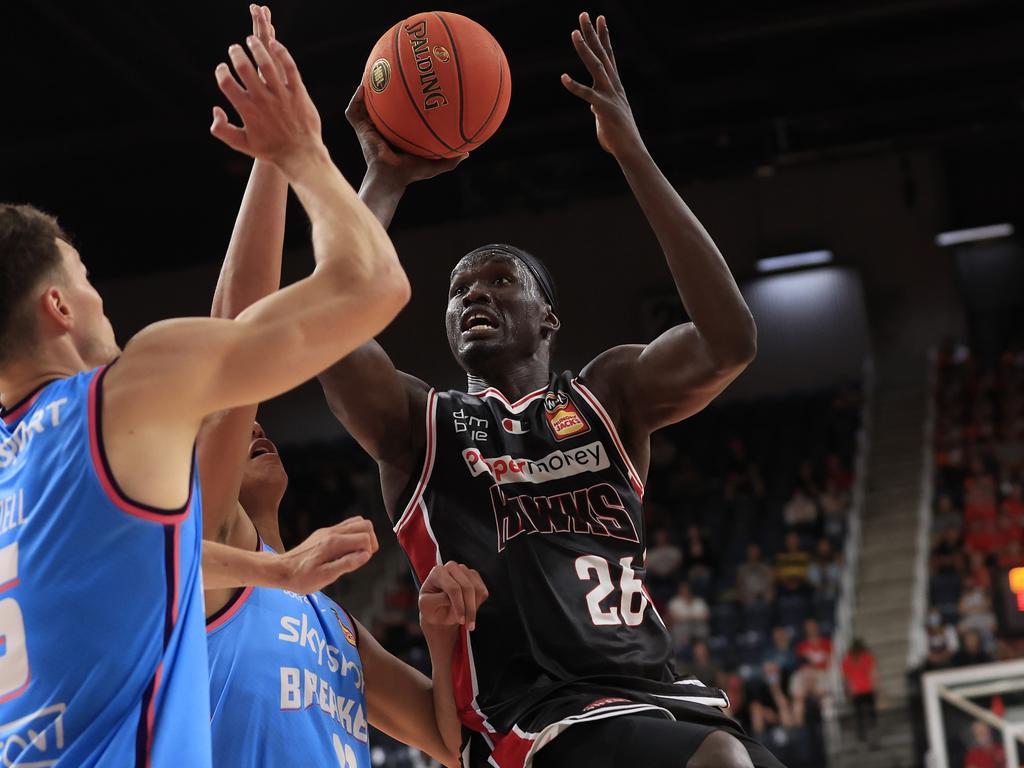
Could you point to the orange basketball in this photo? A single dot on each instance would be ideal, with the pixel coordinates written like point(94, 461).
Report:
point(437, 85)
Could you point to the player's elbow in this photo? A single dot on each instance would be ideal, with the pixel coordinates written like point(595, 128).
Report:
point(739, 350)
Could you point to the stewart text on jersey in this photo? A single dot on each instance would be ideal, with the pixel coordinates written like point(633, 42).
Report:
point(286, 682)
point(541, 498)
point(102, 656)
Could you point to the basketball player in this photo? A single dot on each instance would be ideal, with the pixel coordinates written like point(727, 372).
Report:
point(293, 678)
point(536, 479)
point(102, 651)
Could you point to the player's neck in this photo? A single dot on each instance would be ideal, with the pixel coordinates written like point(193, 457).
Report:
point(514, 381)
point(19, 378)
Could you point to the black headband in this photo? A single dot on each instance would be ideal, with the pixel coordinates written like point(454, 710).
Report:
point(537, 268)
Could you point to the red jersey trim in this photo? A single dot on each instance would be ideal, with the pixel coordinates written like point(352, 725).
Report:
point(428, 462)
point(106, 478)
point(595, 404)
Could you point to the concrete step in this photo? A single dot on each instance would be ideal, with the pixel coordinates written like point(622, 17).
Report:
point(886, 546)
point(875, 585)
point(898, 525)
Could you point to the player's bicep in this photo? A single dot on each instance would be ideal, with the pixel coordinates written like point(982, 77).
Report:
point(380, 406)
point(660, 383)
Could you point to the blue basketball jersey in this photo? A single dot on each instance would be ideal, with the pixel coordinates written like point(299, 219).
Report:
point(286, 682)
point(102, 655)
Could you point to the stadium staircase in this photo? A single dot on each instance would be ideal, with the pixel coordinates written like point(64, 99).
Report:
point(885, 581)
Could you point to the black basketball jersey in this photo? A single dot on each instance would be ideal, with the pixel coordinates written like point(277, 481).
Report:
point(541, 498)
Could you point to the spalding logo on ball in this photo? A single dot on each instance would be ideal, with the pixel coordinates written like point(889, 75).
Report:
point(438, 85)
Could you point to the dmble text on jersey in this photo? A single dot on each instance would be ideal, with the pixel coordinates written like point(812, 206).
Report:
point(594, 511)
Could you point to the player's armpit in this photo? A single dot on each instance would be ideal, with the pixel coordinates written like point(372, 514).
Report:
point(400, 701)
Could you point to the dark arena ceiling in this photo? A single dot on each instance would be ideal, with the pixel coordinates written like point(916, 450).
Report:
point(106, 104)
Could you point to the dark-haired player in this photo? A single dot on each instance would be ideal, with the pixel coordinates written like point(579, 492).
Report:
point(535, 479)
point(102, 652)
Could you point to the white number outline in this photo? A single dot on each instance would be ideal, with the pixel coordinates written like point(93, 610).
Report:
point(15, 673)
point(629, 585)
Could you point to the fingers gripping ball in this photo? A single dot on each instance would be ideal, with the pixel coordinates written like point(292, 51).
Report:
point(437, 85)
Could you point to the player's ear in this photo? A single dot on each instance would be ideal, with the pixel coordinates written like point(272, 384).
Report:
point(550, 324)
point(55, 307)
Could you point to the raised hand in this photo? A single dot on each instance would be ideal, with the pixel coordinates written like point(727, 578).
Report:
point(263, 29)
point(616, 128)
point(383, 159)
point(451, 595)
point(280, 123)
point(326, 555)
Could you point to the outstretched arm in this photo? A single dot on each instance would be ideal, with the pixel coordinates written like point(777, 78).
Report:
point(682, 370)
point(322, 559)
point(251, 270)
point(175, 373)
point(381, 407)
point(402, 702)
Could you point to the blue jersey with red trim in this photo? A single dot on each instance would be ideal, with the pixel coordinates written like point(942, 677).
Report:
point(102, 657)
point(286, 682)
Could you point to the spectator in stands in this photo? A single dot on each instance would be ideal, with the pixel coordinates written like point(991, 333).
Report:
point(948, 553)
point(1007, 531)
point(979, 491)
point(742, 475)
point(698, 557)
point(978, 570)
point(663, 562)
point(800, 514)
point(971, 651)
point(976, 612)
point(835, 507)
point(688, 615)
point(780, 652)
point(859, 674)
point(1013, 504)
point(982, 535)
point(814, 647)
point(984, 751)
point(791, 564)
point(808, 689)
point(755, 579)
point(946, 514)
point(837, 474)
point(807, 480)
point(703, 667)
point(769, 705)
point(825, 572)
point(941, 641)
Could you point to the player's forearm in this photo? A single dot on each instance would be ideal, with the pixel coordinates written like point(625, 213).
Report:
point(225, 567)
point(441, 645)
point(706, 286)
point(381, 193)
point(348, 240)
point(252, 264)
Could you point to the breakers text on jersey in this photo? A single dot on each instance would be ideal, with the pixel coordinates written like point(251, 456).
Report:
point(302, 688)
